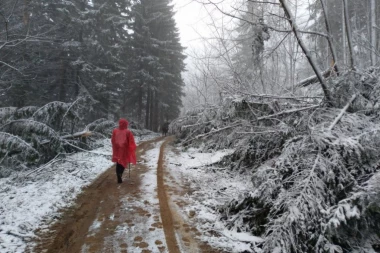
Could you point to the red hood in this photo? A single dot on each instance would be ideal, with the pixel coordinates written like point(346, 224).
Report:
point(123, 124)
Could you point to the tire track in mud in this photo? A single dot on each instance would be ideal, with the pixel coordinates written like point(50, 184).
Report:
point(166, 214)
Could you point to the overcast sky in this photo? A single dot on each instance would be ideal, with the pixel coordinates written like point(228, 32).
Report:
point(190, 18)
point(193, 21)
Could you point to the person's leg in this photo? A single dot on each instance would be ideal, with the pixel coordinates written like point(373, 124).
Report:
point(119, 172)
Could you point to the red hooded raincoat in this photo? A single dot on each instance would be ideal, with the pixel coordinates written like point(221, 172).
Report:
point(123, 145)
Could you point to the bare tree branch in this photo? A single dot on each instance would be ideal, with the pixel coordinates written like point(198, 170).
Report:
point(12, 67)
point(288, 111)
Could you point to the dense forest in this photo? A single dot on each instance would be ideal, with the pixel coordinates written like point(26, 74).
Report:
point(125, 56)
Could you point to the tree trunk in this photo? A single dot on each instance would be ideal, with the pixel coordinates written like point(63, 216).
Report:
point(344, 38)
point(62, 81)
point(140, 104)
point(26, 14)
point(156, 114)
point(147, 109)
point(77, 81)
point(329, 38)
point(348, 32)
point(152, 110)
point(124, 104)
point(373, 32)
point(309, 57)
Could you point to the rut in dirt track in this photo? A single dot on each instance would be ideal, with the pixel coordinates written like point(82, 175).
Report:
point(166, 215)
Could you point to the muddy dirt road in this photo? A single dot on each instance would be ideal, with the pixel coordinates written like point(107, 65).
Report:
point(135, 216)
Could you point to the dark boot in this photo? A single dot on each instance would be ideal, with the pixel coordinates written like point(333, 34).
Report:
point(119, 179)
point(119, 173)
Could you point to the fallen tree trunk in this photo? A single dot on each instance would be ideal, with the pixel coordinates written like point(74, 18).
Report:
point(313, 79)
point(82, 134)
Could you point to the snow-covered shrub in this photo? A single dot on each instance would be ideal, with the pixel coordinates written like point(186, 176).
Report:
point(364, 84)
point(315, 184)
point(53, 114)
point(218, 122)
point(309, 192)
point(32, 135)
point(24, 112)
point(14, 150)
point(6, 113)
point(101, 126)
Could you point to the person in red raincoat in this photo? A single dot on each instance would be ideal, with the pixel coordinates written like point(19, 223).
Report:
point(123, 148)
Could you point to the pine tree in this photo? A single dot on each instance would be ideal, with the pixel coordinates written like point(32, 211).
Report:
point(107, 41)
point(157, 62)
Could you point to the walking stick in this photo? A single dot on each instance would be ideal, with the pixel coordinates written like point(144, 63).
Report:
point(129, 167)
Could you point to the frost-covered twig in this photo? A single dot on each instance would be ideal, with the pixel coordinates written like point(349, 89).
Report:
point(253, 113)
point(68, 110)
point(52, 161)
point(23, 237)
point(193, 125)
point(235, 124)
point(264, 132)
point(288, 111)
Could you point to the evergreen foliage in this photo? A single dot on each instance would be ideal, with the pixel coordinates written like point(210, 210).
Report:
point(158, 62)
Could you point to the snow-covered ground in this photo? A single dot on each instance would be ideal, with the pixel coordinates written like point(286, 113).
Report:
point(29, 199)
point(213, 186)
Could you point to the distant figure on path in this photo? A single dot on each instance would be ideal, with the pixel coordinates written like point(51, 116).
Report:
point(165, 128)
point(123, 148)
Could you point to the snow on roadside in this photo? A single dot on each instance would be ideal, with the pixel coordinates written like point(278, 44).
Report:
point(26, 204)
point(213, 186)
